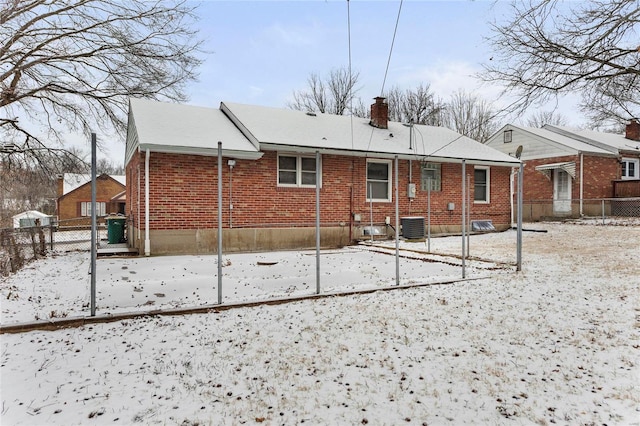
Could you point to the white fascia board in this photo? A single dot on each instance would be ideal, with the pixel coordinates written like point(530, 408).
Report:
point(243, 129)
point(386, 155)
point(209, 152)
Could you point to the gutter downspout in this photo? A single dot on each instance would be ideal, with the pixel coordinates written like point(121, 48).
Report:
point(147, 239)
point(581, 182)
point(511, 194)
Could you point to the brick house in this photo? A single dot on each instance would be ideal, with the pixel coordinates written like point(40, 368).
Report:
point(269, 172)
point(568, 172)
point(74, 195)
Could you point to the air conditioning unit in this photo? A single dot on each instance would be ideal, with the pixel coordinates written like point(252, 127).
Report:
point(412, 227)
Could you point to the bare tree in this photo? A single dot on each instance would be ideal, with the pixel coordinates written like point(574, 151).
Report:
point(418, 106)
point(104, 165)
point(472, 116)
point(334, 95)
point(540, 118)
point(71, 65)
point(550, 48)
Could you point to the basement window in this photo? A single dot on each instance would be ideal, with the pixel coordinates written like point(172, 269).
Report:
point(297, 170)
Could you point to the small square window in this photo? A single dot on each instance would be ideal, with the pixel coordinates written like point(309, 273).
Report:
point(507, 136)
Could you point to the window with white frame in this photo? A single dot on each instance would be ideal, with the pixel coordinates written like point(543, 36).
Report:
point(481, 184)
point(379, 180)
point(630, 168)
point(297, 170)
point(430, 173)
point(85, 208)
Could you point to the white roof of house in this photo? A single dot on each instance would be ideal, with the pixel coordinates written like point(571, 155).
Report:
point(72, 181)
point(608, 141)
point(30, 214)
point(567, 141)
point(276, 128)
point(185, 129)
point(246, 130)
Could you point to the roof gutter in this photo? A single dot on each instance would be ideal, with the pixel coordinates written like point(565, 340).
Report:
point(210, 152)
point(387, 155)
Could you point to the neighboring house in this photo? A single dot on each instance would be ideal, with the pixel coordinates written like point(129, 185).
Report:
point(568, 172)
point(31, 218)
point(74, 195)
point(269, 172)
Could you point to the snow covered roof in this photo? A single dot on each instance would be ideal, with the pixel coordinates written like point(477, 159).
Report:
point(246, 130)
point(542, 138)
point(565, 140)
point(30, 214)
point(276, 128)
point(73, 181)
point(611, 142)
point(184, 129)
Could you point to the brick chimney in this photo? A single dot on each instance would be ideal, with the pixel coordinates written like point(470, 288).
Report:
point(379, 113)
point(633, 130)
point(60, 185)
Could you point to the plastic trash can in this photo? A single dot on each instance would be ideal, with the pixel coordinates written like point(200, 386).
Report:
point(115, 229)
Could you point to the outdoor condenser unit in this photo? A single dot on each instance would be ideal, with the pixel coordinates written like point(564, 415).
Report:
point(412, 227)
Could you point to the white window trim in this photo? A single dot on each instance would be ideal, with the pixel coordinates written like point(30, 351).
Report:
point(85, 208)
point(298, 158)
point(636, 161)
point(389, 178)
point(488, 200)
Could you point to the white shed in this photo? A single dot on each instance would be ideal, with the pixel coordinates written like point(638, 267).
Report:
point(28, 219)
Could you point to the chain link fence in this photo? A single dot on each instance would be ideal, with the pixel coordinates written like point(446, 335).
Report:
point(540, 210)
point(21, 245)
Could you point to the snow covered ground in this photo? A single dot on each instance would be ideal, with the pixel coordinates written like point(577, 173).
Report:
point(558, 342)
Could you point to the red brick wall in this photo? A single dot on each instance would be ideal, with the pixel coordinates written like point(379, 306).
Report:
point(599, 172)
point(183, 193)
point(106, 188)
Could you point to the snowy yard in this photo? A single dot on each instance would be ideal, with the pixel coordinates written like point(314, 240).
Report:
point(557, 343)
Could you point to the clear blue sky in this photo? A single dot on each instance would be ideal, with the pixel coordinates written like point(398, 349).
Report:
point(261, 51)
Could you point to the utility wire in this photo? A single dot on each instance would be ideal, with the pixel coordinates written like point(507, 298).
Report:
point(350, 73)
point(391, 49)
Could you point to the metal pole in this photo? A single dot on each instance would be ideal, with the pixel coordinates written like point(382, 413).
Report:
point(147, 237)
point(603, 212)
point(94, 225)
point(397, 225)
point(464, 200)
point(371, 211)
point(519, 217)
point(219, 223)
point(317, 222)
point(429, 214)
point(469, 214)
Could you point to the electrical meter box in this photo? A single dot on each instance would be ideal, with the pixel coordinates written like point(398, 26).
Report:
point(411, 190)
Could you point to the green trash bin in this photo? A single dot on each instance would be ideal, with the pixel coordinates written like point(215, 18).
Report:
point(115, 229)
